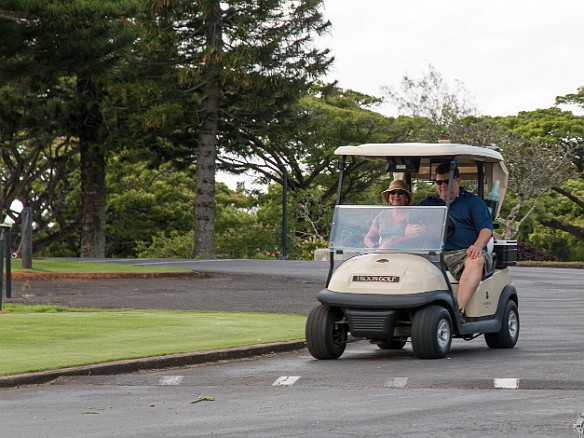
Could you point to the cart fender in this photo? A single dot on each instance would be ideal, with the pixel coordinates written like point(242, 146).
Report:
point(509, 293)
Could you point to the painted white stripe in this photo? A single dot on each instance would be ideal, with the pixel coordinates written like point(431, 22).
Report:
point(170, 380)
point(286, 381)
point(396, 382)
point(506, 383)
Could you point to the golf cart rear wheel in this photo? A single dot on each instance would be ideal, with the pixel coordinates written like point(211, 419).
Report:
point(509, 333)
point(432, 332)
point(326, 335)
point(393, 344)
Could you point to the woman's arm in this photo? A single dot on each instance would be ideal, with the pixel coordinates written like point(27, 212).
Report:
point(371, 239)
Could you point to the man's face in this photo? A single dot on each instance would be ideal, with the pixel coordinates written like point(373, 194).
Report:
point(442, 186)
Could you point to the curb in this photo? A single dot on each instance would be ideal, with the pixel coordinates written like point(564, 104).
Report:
point(151, 363)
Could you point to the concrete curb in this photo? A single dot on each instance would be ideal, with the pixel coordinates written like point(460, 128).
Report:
point(150, 363)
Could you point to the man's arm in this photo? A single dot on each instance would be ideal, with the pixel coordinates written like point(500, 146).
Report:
point(484, 236)
point(474, 251)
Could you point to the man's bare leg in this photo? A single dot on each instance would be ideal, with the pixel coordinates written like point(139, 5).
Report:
point(469, 280)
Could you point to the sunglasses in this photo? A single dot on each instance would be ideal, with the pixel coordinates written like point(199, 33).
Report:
point(439, 182)
point(398, 192)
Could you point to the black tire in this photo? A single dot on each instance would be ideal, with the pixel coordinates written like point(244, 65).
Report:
point(509, 333)
point(393, 344)
point(432, 332)
point(325, 337)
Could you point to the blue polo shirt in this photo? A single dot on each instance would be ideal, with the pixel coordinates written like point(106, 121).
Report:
point(469, 214)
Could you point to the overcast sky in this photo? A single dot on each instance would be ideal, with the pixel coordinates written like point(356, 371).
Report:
point(511, 55)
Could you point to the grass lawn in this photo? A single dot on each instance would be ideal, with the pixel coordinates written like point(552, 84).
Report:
point(35, 338)
point(81, 266)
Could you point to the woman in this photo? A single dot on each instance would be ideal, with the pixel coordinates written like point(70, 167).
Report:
point(390, 228)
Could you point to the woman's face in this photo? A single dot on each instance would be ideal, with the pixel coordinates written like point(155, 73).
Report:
point(398, 197)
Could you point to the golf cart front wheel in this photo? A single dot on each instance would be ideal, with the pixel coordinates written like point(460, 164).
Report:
point(509, 333)
point(432, 332)
point(326, 334)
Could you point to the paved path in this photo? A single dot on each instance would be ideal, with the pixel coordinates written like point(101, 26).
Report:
point(233, 285)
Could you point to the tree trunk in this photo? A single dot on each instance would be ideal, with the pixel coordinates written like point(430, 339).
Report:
point(204, 223)
point(93, 197)
point(92, 157)
point(512, 225)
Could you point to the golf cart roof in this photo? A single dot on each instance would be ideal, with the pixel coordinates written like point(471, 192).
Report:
point(419, 160)
point(463, 152)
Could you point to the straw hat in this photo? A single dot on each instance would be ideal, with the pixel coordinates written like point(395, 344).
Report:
point(397, 184)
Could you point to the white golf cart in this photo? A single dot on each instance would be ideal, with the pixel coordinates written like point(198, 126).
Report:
point(390, 294)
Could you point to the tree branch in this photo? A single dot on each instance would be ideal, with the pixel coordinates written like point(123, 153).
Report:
point(570, 196)
point(574, 230)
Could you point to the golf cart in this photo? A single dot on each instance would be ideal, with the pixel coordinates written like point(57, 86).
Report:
point(403, 291)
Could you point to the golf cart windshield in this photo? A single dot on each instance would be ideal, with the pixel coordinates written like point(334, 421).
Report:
point(395, 229)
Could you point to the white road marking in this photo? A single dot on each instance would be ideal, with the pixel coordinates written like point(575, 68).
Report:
point(286, 381)
point(396, 382)
point(506, 383)
point(170, 380)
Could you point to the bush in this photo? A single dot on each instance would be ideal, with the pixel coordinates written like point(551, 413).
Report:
point(307, 247)
point(526, 252)
point(176, 245)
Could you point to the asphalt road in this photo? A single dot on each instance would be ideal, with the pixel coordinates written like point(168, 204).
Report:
point(533, 390)
point(230, 285)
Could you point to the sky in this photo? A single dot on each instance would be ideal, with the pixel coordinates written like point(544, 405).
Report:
point(511, 55)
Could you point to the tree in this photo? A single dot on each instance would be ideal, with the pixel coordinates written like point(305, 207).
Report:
point(248, 60)
point(545, 151)
point(535, 168)
point(536, 152)
point(145, 202)
point(430, 96)
point(303, 142)
point(572, 99)
point(68, 53)
point(300, 147)
point(561, 213)
point(578, 100)
point(37, 167)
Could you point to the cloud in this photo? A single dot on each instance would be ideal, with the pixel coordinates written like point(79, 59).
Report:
point(512, 55)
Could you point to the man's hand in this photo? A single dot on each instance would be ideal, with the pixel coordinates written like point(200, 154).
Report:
point(415, 230)
point(474, 252)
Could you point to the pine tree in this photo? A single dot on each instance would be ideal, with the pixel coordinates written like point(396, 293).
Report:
point(247, 60)
point(68, 53)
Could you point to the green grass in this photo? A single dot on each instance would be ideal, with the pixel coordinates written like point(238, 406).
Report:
point(36, 338)
point(81, 266)
point(552, 264)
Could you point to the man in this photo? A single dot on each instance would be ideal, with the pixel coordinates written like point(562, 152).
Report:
point(465, 250)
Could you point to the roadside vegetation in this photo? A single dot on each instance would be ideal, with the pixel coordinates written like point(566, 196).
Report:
point(88, 267)
point(31, 335)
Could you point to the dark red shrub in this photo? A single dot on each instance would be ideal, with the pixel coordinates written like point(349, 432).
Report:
point(527, 252)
